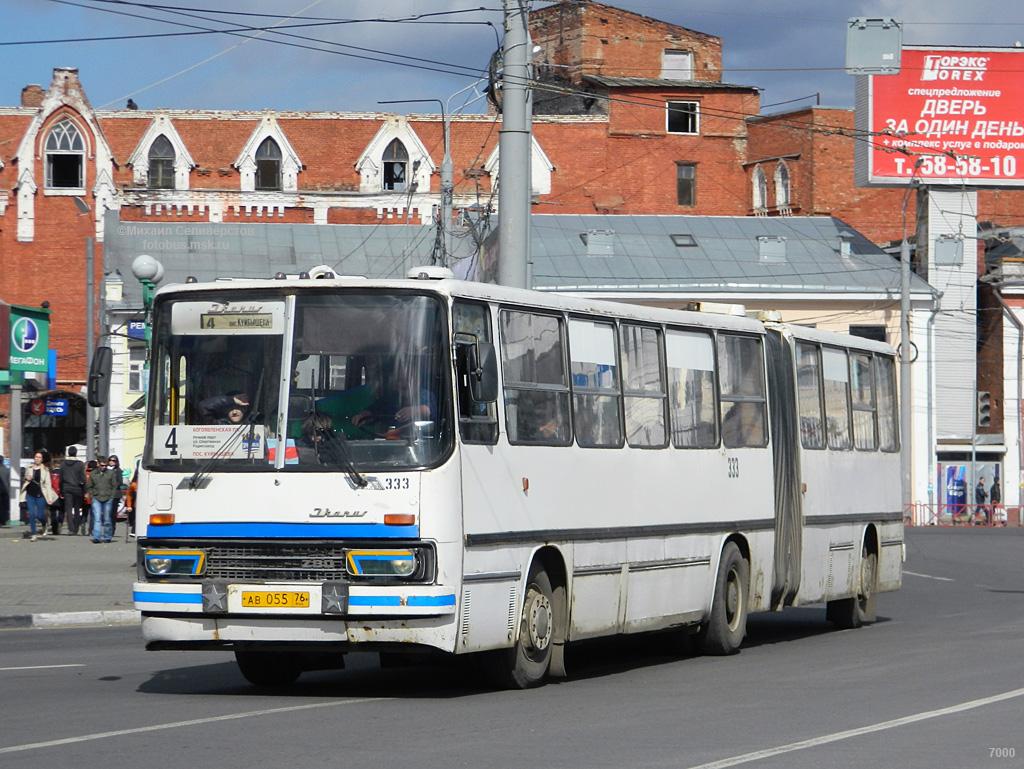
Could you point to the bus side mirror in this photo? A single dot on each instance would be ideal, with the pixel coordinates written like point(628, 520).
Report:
point(99, 376)
point(483, 373)
point(478, 364)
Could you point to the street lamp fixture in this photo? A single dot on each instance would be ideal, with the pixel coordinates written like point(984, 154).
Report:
point(148, 271)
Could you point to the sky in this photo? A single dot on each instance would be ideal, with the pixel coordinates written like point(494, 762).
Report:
point(397, 50)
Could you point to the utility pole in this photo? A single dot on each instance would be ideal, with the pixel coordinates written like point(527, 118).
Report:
point(514, 150)
point(906, 454)
point(90, 342)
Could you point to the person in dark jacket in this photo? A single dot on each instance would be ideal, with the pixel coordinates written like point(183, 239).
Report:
point(104, 483)
point(72, 489)
point(114, 466)
point(980, 509)
point(227, 409)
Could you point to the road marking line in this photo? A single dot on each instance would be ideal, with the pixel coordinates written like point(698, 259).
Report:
point(193, 722)
point(837, 736)
point(44, 667)
point(928, 576)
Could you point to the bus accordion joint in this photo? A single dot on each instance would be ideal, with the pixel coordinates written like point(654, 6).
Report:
point(399, 519)
point(161, 519)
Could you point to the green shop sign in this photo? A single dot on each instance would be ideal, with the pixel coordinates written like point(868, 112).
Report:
point(30, 339)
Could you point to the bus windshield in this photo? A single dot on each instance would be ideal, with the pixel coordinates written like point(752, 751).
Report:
point(343, 380)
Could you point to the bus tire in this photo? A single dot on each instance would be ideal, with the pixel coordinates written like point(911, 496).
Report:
point(525, 665)
point(850, 613)
point(267, 668)
point(727, 625)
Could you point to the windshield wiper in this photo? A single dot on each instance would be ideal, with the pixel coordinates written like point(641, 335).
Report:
point(334, 446)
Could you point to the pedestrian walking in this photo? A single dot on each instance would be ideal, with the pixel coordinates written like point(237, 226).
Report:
point(72, 489)
point(55, 509)
point(114, 466)
point(36, 493)
point(995, 497)
point(102, 485)
point(980, 495)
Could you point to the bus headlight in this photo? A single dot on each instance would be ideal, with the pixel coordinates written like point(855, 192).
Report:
point(164, 563)
point(382, 563)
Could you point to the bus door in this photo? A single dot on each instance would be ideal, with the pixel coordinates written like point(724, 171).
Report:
point(784, 420)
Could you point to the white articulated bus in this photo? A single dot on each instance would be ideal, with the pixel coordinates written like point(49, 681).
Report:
point(429, 464)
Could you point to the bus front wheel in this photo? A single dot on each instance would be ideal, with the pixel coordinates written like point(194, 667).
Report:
point(268, 668)
point(727, 625)
point(525, 665)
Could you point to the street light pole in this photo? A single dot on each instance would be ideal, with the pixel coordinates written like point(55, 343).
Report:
point(90, 342)
point(514, 149)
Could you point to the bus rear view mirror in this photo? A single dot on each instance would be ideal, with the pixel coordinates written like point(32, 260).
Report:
point(479, 366)
point(99, 376)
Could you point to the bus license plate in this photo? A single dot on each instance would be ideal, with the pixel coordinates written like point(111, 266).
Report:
point(275, 600)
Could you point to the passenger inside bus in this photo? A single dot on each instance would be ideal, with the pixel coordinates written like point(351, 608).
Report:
point(227, 409)
point(402, 396)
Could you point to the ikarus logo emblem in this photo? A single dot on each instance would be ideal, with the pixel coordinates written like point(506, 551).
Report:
point(25, 335)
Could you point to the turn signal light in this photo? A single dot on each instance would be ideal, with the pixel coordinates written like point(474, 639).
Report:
point(399, 519)
point(161, 519)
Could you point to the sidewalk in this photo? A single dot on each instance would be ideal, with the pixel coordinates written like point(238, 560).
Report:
point(62, 581)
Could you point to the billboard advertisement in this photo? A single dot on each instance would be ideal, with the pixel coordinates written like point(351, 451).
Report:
point(29, 339)
point(951, 116)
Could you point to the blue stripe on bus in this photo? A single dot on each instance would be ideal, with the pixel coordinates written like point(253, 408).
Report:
point(141, 597)
point(283, 530)
point(394, 600)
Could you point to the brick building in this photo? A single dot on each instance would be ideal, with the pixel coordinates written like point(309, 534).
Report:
point(631, 117)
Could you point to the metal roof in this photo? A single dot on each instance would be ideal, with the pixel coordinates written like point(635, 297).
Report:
point(637, 253)
point(622, 255)
point(246, 249)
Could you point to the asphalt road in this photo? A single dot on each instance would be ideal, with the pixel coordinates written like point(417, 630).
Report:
point(936, 683)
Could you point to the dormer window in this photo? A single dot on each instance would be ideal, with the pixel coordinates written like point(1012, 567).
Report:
point(65, 157)
point(396, 166)
point(161, 164)
point(268, 165)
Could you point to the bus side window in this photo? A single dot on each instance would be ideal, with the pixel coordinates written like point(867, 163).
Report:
point(741, 384)
point(690, 362)
point(836, 370)
point(536, 389)
point(865, 437)
point(478, 422)
point(595, 384)
point(808, 386)
point(888, 418)
point(644, 386)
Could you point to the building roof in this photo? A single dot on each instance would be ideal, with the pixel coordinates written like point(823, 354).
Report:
point(208, 251)
point(657, 82)
point(631, 254)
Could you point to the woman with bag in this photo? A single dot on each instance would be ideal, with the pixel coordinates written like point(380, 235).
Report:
point(37, 492)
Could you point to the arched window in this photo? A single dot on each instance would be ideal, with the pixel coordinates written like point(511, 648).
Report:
point(65, 157)
point(760, 190)
point(396, 164)
point(161, 164)
point(268, 165)
point(782, 189)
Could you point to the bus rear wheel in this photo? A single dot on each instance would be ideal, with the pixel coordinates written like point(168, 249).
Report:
point(525, 665)
point(852, 612)
point(268, 668)
point(727, 625)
